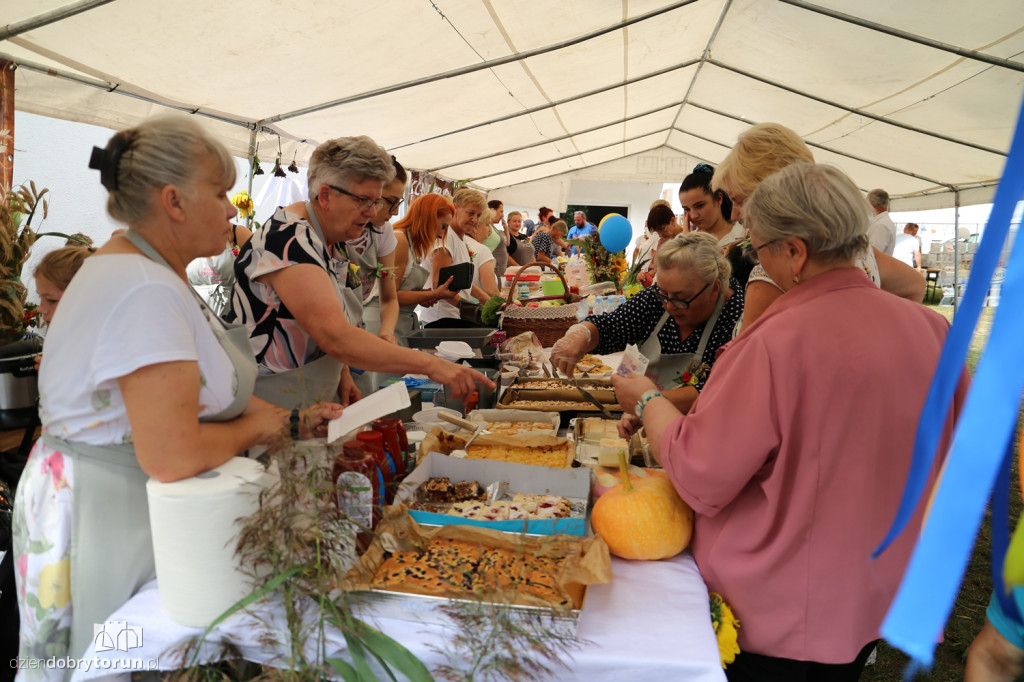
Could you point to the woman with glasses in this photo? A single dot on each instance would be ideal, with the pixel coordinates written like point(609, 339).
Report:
point(679, 324)
point(795, 455)
point(299, 295)
point(767, 148)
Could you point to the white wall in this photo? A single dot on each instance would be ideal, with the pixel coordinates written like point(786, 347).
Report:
point(55, 155)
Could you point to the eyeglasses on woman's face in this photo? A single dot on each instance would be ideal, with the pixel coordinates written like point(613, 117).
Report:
point(366, 203)
point(756, 250)
point(679, 302)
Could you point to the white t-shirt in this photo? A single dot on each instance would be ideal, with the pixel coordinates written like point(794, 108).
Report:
point(385, 239)
point(737, 234)
point(882, 232)
point(481, 255)
point(460, 254)
point(906, 245)
point(123, 312)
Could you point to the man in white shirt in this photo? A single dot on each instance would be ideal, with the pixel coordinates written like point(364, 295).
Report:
point(881, 231)
point(908, 246)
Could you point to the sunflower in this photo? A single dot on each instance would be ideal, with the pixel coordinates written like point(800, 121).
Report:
point(725, 624)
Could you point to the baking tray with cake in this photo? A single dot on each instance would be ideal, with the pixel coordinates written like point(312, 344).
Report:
point(412, 572)
point(527, 499)
point(537, 450)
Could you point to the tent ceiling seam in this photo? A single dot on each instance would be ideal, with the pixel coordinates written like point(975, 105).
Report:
point(860, 112)
point(906, 35)
point(473, 68)
point(556, 139)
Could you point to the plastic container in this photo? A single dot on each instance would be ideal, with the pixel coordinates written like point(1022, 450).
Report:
point(389, 429)
point(428, 419)
point(355, 479)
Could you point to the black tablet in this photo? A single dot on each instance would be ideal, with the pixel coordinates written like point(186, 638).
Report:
point(463, 274)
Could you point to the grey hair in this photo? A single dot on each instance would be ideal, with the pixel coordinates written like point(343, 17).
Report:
point(816, 203)
point(696, 251)
point(348, 161)
point(879, 198)
point(161, 151)
point(466, 196)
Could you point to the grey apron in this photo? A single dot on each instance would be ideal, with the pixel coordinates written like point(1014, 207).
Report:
point(413, 280)
point(111, 544)
point(665, 368)
point(315, 381)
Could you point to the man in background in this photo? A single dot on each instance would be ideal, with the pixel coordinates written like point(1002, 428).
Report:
point(908, 246)
point(881, 231)
point(527, 223)
point(580, 230)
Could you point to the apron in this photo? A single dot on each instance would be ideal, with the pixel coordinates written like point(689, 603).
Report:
point(318, 380)
point(415, 277)
point(110, 508)
point(665, 368)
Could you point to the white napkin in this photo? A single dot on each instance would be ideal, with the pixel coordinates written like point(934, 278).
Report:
point(455, 350)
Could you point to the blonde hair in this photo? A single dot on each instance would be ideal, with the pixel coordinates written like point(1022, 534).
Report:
point(60, 265)
point(761, 150)
point(466, 196)
point(816, 203)
point(161, 151)
point(697, 251)
point(560, 227)
point(349, 160)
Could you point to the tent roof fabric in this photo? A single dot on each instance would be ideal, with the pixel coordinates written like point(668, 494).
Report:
point(918, 97)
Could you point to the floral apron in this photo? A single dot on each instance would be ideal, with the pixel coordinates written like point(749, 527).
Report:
point(667, 370)
point(111, 544)
point(315, 381)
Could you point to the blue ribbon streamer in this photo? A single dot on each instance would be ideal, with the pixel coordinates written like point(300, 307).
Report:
point(983, 435)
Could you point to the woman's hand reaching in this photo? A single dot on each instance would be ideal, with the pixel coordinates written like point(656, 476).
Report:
point(313, 420)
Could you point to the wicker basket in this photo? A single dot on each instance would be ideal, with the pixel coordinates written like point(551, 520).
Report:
point(548, 323)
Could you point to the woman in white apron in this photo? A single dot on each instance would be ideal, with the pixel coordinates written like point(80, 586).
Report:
point(679, 324)
point(418, 233)
point(132, 360)
point(300, 298)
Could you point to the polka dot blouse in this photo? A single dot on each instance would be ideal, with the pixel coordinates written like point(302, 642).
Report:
point(634, 320)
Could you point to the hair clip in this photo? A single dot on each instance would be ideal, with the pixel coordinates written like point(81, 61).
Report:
point(703, 168)
point(106, 160)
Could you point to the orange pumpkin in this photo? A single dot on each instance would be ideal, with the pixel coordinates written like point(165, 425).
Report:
point(607, 479)
point(643, 518)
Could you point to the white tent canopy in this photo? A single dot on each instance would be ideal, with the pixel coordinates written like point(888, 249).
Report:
point(534, 100)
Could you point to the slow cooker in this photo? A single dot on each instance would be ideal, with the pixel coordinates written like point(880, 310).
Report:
point(19, 389)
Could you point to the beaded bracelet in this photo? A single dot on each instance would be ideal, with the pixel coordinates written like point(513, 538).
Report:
point(646, 397)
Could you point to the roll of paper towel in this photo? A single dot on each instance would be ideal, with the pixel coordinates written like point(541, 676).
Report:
point(195, 529)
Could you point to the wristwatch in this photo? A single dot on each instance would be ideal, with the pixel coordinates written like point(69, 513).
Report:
point(646, 397)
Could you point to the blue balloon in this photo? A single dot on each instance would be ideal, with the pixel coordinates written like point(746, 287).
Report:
point(615, 232)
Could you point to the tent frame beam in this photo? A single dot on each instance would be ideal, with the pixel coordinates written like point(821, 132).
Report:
point(51, 17)
point(482, 66)
point(854, 110)
point(906, 35)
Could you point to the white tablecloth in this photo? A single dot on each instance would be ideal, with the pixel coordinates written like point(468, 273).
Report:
point(651, 622)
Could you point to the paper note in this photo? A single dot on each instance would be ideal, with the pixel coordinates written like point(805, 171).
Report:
point(633, 362)
point(385, 401)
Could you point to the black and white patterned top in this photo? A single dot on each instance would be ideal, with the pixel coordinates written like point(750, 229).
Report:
point(278, 342)
point(634, 320)
point(542, 243)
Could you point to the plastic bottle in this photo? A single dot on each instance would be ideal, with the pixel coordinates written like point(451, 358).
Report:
point(524, 290)
point(622, 299)
point(582, 310)
point(408, 459)
point(393, 451)
point(355, 476)
point(373, 443)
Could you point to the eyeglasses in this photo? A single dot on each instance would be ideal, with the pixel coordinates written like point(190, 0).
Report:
point(365, 202)
point(755, 250)
point(682, 303)
point(393, 204)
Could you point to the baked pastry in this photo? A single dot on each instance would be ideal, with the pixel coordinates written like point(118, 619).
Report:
point(455, 567)
point(540, 455)
point(439, 489)
point(467, 490)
